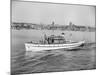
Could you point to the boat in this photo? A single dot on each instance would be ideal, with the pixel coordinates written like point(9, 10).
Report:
point(52, 43)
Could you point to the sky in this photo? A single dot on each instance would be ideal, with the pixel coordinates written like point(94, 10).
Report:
point(62, 14)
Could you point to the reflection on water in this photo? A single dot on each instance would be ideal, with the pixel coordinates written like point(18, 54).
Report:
point(23, 62)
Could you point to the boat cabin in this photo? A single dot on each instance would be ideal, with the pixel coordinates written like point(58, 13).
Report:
point(54, 39)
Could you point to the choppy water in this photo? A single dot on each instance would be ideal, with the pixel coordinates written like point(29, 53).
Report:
point(23, 62)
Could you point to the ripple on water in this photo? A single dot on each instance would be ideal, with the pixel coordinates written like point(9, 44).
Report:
point(58, 60)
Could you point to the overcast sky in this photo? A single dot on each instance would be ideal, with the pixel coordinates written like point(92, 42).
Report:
point(45, 13)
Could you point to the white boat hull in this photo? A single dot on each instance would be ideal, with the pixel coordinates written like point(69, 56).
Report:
point(40, 47)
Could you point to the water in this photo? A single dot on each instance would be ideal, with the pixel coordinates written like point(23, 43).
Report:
point(50, 61)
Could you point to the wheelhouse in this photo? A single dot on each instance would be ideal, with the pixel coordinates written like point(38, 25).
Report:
point(55, 39)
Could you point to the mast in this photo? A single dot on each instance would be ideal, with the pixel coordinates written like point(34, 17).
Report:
point(53, 26)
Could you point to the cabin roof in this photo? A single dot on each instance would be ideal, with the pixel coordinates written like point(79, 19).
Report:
point(56, 37)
